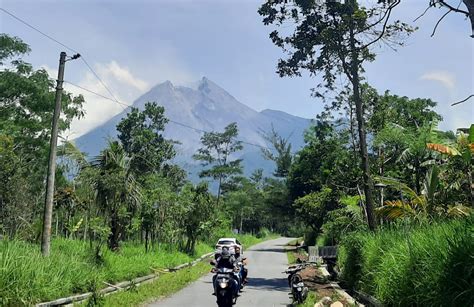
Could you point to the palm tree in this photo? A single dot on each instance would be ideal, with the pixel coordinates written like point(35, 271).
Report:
point(117, 192)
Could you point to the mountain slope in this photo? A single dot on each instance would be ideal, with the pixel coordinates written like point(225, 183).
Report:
point(208, 107)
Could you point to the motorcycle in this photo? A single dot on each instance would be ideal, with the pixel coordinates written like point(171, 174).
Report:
point(298, 289)
point(225, 286)
point(241, 273)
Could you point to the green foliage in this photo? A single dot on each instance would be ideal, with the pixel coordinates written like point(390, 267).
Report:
point(282, 157)
point(319, 41)
point(11, 47)
point(325, 161)
point(335, 38)
point(141, 135)
point(313, 207)
point(343, 221)
point(164, 286)
point(423, 265)
point(118, 193)
point(216, 151)
point(196, 218)
point(26, 111)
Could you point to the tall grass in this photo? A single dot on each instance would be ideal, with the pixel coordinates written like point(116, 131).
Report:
point(27, 278)
point(427, 265)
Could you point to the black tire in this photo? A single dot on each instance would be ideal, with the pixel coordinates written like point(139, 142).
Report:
point(224, 299)
point(300, 299)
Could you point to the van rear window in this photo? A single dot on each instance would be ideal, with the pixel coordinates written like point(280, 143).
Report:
point(225, 242)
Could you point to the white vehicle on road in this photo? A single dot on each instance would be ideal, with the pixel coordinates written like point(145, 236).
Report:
point(231, 243)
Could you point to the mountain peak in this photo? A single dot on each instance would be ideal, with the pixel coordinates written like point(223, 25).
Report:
point(166, 84)
point(206, 86)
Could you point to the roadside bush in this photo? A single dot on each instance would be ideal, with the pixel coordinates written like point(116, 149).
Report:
point(310, 237)
point(264, 232)
point(291, 228)
point(427, 265)
point(339, 223)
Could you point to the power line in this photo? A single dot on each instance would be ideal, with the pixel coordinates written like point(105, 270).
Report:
point(37, 30)
point(65, 46)
point(98, 78)
point(125, 106)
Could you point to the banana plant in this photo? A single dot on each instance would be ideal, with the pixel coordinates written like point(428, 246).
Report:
point(414, 205)
point(460, 153)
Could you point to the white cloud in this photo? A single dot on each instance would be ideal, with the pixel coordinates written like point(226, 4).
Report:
point(124, 86)
point(123, 75)
point(453, 116)
point(444, 77)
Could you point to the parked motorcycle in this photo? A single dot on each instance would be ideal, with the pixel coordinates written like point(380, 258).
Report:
point(295, 281)
point(226, 286)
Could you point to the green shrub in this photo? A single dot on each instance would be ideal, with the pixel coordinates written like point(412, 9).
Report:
point(350, 259)
point(428, 265)
point(310, 237)
point(264, 232)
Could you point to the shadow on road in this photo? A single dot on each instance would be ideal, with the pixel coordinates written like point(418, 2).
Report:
point(278, 284)
point(272, 250)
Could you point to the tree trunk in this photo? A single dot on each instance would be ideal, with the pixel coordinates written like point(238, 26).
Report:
point(114, 232)
point(469, 176)
point(470, 8)
point(417, 177)
point(241, 219)
point(146, 239)
point(219, 190)
point(368, 185)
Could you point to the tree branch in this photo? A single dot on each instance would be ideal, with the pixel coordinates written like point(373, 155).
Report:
point(423, 14)
point(388, 12)
point(452, 8)
point(469, 97)
point(442, 17)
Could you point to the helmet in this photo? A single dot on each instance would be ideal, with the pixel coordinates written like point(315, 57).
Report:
point(225, 254)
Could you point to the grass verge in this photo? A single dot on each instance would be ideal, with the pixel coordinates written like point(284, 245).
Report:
point(165, 285)
point(426, 265)
point(27, 278)
point(290, 254)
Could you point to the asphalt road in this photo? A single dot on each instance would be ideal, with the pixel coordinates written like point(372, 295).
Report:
point(267, 286)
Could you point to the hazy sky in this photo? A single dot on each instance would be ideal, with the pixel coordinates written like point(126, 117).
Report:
point(133, 45)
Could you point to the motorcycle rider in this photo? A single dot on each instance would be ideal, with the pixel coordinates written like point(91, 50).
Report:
point(240, 259)
point(228, 261)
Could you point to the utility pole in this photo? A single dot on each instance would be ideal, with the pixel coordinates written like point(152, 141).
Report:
point(48, 204)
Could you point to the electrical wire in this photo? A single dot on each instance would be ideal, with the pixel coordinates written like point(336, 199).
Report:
point(65, 46)
point(37, 30)
point(114, 99)
point(125, 106)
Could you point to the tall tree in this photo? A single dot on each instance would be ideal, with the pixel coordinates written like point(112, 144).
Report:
point(26, 112)
point(118, 193)
point(141, 133)
point(216, 153)
point(334, 38)
point(281, 153)
point(197, 216)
